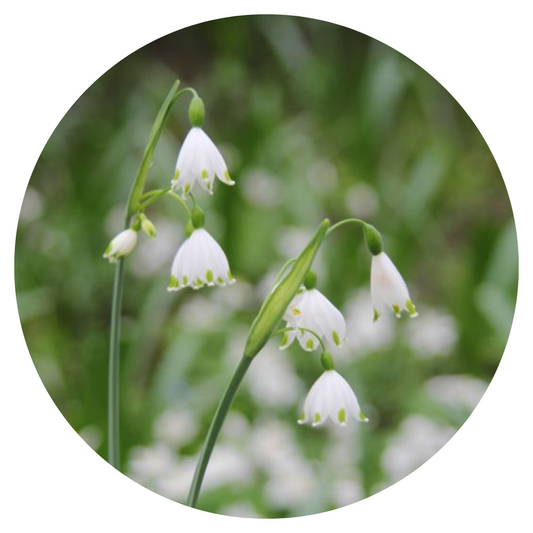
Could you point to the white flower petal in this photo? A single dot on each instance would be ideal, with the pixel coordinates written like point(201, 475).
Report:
point(331, 397)
point(200, 261)
point(199, 161)
point(387, 287)
point(122, 245)
point(312, 311)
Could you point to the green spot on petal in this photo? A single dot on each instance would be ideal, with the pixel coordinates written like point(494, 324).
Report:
point(176, 174)
point(230, 275)
point(411, 308)
point(317, 418)
point(336, 339)
point(342, 416)
point(309, 344)
point(376, 314)
point(187, 189)
point(174, 283)
point(209, 276)
point(362, 417)
point(396, 309)
point(220, 280)
point(185, 280)
point(205, 175)
point(227, 177)
point(301, 420)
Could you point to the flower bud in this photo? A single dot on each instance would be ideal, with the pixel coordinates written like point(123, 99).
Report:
point(196, 112)
point(122, 245)
point(148, 228)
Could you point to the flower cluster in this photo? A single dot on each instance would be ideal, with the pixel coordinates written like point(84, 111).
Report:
point(200, 260)
point(310, 318)
point(316, 323)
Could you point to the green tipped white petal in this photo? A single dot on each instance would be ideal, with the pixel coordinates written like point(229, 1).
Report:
point(200, 261)
point(331, 398)
point(388, 289)
point(311, 310)
point(199, 162)
point(121, 246)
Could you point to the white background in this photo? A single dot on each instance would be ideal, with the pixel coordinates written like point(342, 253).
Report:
point(53, 51)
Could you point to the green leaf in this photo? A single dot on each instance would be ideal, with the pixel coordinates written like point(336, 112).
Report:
point(281, 295)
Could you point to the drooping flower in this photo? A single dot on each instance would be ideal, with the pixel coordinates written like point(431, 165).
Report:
point(311, 310)
point(331, 397)
point(199, 161)
point(200, 261)
point(122, 245)
point(388, 289)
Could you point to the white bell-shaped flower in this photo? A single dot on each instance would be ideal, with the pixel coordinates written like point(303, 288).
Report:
point(199, 161)
point(387, 288)
point(311, 310)
point(200, 261)
point(122, 245)
point(331, 397)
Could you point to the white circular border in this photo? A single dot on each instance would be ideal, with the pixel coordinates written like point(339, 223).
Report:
point(52, 52)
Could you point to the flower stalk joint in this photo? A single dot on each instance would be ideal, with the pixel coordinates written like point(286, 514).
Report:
point(197, 218)
point(196, 112)
point(373, 239)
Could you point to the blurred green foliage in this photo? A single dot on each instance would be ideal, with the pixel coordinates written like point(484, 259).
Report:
point(315, 120)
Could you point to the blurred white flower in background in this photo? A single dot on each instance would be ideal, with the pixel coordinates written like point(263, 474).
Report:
point(362, 199)
point(148, 463)
point(416, 441)
point(175, 427)
point(435, 333)
point(201, 313)
point(291, 480)
point(228, 465)
point(364, 335)
point(92, 435)
point(153, 255)
point(240, 297)
point(322, 176)
point(176, 481)
point(272, 380)
point(32, 206)
point(347, 491)
point(240, 509)
point(261, 188)
point(292, 240)
point(458, 390)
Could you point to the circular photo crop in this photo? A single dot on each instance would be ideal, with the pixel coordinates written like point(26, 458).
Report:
point(266, 266)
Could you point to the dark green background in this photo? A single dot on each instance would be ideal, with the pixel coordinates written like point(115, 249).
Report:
point(313, 119)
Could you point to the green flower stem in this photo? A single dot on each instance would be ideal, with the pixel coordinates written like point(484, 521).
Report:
point(214, 430)
point(318, 338)
point(344, 222)
point(113, 453)
point(132, 207)
point(179, 199)
point(152, 196)
point(157, 128)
